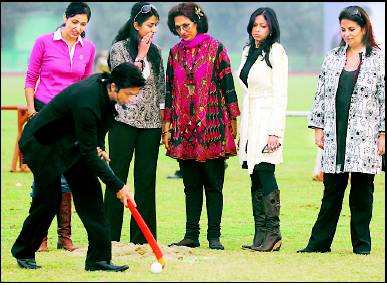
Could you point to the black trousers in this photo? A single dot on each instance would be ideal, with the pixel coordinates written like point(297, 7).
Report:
point(88, 202)
point(263, 178)
point(360, 204)
point(124, 140)
point(209, 174)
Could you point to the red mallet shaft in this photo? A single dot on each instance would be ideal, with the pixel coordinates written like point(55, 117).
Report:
point(147, 233)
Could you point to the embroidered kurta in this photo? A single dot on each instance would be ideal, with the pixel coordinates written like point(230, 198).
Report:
point(264, 107)
point(201, 121)
point(366, 116)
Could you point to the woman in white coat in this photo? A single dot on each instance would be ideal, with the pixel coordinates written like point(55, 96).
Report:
point(263, 73)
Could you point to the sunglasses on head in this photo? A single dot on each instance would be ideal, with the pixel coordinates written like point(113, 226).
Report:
point(144, 10)
point(354, 11)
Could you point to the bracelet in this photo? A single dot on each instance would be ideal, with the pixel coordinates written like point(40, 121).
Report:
point(140, 61)
point(166, 132)
point(142, 66)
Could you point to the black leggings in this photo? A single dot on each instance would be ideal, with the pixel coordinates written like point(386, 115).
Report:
point(263, 178)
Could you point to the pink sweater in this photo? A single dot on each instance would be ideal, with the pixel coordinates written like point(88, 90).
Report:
point(51, 63)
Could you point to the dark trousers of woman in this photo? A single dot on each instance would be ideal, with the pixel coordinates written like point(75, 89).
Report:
point(263, 178)
point(360, 204)
point(196, 175)
point(124, 140)
point(88, 201)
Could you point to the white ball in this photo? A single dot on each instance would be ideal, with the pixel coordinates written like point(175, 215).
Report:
point(156, 267)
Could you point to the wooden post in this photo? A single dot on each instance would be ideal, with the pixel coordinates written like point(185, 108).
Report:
point(22, 118)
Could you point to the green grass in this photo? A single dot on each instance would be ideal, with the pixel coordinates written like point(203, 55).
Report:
point(300, 202)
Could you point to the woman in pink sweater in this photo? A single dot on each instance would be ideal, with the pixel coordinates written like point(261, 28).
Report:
point(57, 60)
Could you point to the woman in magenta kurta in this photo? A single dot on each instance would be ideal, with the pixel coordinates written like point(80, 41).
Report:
point(200, 117)
point(57, 60)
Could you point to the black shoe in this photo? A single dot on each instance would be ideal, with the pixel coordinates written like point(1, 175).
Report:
point(28, 263)
point(176, 175)
point(311, 249)
point(186, 242)
point(362, 252)
point(215, 244)
point(105, 266)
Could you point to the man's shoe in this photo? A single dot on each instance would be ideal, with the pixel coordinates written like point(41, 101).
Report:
point(28, 263)
point(215, 244)
point(105, 266)
point(186, 242)
point(311, 249)
point(362, 252)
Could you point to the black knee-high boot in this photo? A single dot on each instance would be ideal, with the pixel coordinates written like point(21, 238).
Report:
point(259, 219)
point(273, 238)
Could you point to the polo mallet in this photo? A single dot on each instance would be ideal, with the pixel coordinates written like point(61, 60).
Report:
point(147, 233)
point(145, 230)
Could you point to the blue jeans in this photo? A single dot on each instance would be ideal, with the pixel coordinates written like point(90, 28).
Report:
point(63, 184)
point(39, 105)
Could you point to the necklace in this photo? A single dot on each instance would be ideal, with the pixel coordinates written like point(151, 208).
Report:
point(190, 76)
point(189, 71)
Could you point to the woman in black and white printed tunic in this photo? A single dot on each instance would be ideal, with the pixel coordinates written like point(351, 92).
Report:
point(348, 118)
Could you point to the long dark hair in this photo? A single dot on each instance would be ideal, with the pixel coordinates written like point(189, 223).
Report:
point(274, 36)
point(360, 16)
point(77, 8)
point(129, 32)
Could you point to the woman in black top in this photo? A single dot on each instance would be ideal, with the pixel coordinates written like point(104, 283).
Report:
point(348, 118)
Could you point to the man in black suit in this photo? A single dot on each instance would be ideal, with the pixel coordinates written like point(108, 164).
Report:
point(67, 137)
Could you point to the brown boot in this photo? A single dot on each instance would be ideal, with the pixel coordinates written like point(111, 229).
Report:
point(64, 223)
point(43, 245)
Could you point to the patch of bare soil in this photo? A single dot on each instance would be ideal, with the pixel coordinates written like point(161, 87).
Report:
point(144, 250)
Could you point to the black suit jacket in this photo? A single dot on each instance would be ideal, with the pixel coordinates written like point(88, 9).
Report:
point(69, 128)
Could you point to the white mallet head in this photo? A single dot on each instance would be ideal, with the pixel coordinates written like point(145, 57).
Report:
point(156, 267)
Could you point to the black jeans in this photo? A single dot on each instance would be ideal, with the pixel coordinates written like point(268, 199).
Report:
point(360, 203)
point(209, 174)
point(88, 202)
point(124, 140)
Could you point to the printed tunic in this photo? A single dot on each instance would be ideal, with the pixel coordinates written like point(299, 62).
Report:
point(201, 121)
point(366, 116)
point(144, 112)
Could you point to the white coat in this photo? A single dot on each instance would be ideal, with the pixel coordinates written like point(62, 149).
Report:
point(264, 107)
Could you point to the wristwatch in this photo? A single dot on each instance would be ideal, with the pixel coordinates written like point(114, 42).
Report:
point(141, 61)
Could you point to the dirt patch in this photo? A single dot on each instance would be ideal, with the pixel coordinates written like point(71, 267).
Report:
point(144, 250)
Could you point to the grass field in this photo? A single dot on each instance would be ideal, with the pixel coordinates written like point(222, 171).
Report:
point(300, 201)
